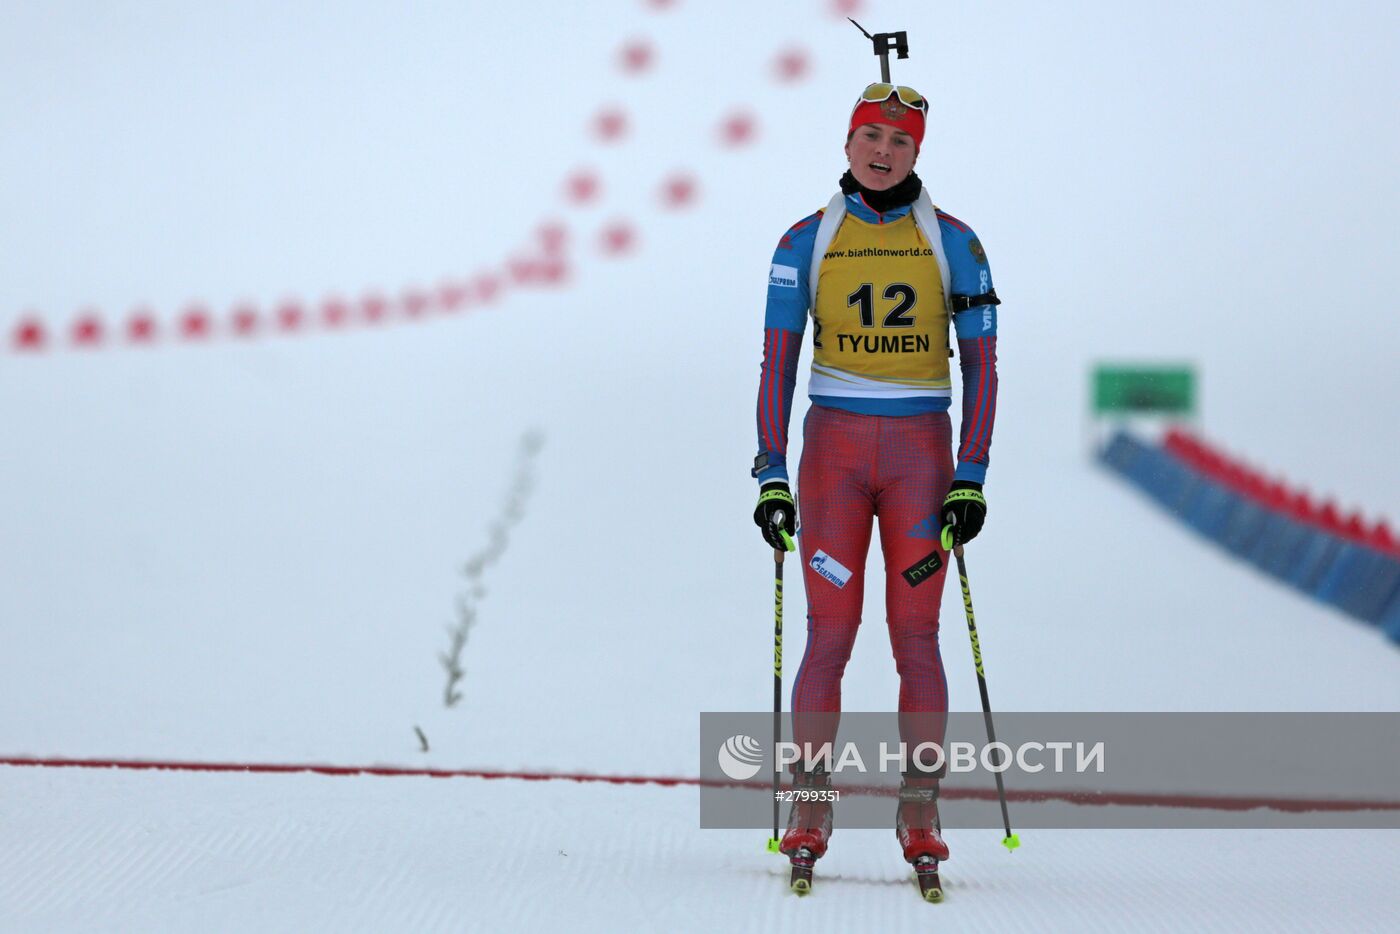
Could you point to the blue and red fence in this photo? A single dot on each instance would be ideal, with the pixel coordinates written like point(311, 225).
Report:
point(1346, 563)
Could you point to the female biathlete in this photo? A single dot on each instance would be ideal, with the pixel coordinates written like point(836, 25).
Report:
point(882, 273)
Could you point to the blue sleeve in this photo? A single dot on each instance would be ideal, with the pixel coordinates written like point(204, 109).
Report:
point(976, 328)
point(789, 295)
point(971, 275)
point(784, 322)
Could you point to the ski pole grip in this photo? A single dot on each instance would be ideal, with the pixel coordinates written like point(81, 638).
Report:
point(946, 538)
point(779, 517)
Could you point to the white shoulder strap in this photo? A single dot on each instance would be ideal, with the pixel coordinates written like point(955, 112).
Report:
point(926, 216)
point(826, 232)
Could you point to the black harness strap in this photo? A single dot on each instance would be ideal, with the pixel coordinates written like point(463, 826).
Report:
point(964, 302)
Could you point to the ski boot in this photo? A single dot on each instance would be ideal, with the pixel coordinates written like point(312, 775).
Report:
point(919, 832)
point(809, 825)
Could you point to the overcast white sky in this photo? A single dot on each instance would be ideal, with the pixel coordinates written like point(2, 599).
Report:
point(1208, 181)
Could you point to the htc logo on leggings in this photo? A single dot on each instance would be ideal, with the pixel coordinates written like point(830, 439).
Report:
point(924, 569)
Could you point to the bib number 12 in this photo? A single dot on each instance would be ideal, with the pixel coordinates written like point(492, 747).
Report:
point(899, 316)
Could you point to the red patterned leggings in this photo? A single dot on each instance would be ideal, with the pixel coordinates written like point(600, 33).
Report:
point(854, 468)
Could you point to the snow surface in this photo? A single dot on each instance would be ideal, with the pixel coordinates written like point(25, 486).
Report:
point(252, 553)
point(123, 851)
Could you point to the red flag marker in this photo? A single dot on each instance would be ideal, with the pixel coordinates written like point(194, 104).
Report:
point(290, 316)
point(554, 270)
point(374, 307)
point(791, 66)
point(521, 269)
point(245, 320)
point(678, 191)
point(581, 187)
point(553, 237)
point(141, 327)
point(610, 125)
point(415, 302)
point(335, 312)
point(29, 335)
point(737, 130)
point(87, 330)
point(451, 296)
point(618, 238)
point(1381, 539)
point(194, 323)
point(636, 56)
point(1302, 507)
point(488, 287)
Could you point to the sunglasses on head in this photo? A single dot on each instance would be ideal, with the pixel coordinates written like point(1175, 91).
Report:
point(883, 91)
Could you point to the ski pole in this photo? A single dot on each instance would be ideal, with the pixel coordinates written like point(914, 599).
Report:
point(1011, 840)
point(777, 673)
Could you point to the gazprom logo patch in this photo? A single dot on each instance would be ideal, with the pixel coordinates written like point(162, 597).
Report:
point(828, 567)
point(784, 276)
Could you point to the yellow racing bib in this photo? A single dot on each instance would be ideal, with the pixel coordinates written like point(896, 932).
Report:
point(880, 316)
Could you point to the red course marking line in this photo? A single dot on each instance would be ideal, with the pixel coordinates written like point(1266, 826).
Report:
point(1125, 799)
point(384, 770)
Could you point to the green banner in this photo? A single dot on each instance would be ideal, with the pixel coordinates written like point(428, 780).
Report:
point(1168, 389)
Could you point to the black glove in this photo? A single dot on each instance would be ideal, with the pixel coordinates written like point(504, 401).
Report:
point(776, 515)
point(964, 511)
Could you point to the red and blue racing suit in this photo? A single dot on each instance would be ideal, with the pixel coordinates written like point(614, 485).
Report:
point(877, 438)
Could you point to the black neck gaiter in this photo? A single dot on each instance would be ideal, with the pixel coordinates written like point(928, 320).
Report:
point(903, 193)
